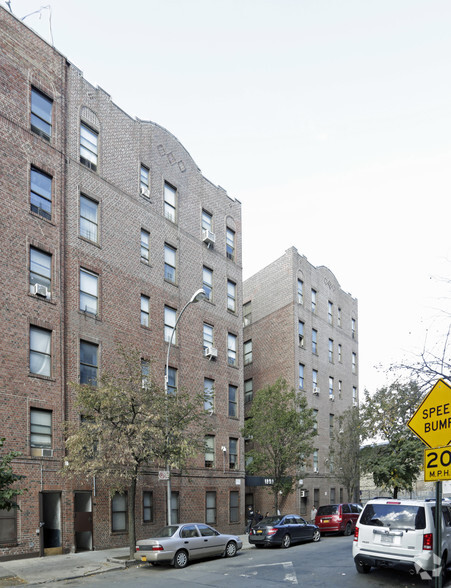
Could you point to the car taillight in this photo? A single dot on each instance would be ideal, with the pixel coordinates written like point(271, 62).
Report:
point(157, 548)
point(356, 533)
point(271, 531)
point(137, 548)
point(428, 541)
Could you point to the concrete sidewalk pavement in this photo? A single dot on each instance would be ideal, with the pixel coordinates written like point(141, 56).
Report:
point(42, 570)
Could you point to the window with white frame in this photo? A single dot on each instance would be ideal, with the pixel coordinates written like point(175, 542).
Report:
point(230, 244)
point(331, 386)
point(119, 512)
point(247, 313)
point(315, 378)
point(41, 114)
point(207, 221)
point(89, 363)
point(170, 202)
point(209, 395)
point(145, 310)
point(207, 336)
point(40, 351)
point(313, 300)
point(331, 350)
point(233, 401)
point(207, 282)
point(231, 349)
point(247, 352)
point(209, 451)
point(40, 428)
point(300, 291)
point(40, 269)
point(89, 139)
point(231, 296)
point(248, 390)
point(41, 193)
point(301, 333)
point(354, 363)
point(169, 324)
point(89, 292)
point(314, 341)
point(172, 380)
point(144, 181)
point(315, 460)
point(301, 376)
point(145, 246)
point(233, 454)
point(353, 327)
point(210, 507)
point(89, 223)
point(170, 254)
point(330, 312)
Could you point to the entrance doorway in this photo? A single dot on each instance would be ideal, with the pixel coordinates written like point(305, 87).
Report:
point(50, 523)
point(83, 521)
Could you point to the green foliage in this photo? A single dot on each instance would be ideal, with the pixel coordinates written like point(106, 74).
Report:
point(345, 450)
point(282, 428)
point(395, 459)
point(7, 480)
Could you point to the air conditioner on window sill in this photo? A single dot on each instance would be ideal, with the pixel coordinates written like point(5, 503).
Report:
point(315, 471)
point(41, 452)
point(208, 237)
point(40, 290)
point(316, 390)
point(211, 352)
point(331, 397)
point(145, 192)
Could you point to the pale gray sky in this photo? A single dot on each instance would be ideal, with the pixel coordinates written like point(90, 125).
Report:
point(328, 119)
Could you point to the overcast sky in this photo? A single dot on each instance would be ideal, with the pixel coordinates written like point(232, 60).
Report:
point(328, 119)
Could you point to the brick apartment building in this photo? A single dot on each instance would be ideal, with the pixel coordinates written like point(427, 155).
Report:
point(108, 228)
point(300, 325)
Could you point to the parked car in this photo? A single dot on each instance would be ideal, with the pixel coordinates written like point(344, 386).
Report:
point(178, 544)
point(283, 530)
point(338, 518)
point(399, 534)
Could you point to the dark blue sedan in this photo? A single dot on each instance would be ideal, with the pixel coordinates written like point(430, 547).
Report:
point(283, 530)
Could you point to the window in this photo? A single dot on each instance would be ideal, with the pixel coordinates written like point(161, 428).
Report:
point(209, 451)
point(147, 506)
point(248, 352)
point(339, 352)
point(248, 390)
point(145, 245)
point(353, 328)
point(169, 263)
point(332, 494)
point(207, 221)
point(233, 454)
point(339, 316)
point(301, 333)
point(301, 376)
point(230, 244)
point(314, 341)
point(247, 314)
point(89, 291)
point(88, 219)
point(119, 513)
point(330, 315)
point(313, 300)
point(145, 304)
point(332, 468)
point(210, 508)
point(233, 401)
point(144, 183)
point(354, 395)
point(88, 363)
point(315, 378)
point(88, 146)
point(331, 386)
point(41, 114)
point(300, 292)
point(231, 296)
point(331, 350)
point(175, 508)
point(40, 428)
point(172, 380)
point(207, 282)
point(207, 336)
point(169, 324)
point(41, 193)
point(209, 395)
point(339, 387)
point(315, 460)
point(354, 363)
point(8, 526)
point(231, 349)
point(40, 351)
point(40, 270)
point(331, 425)
point(145, 373)
point(315, 417)
point(170, 194)
point(234, 507)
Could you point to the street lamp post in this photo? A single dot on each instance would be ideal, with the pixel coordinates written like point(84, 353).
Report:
point(196, 297)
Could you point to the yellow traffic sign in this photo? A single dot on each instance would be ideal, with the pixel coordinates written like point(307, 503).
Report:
point(437, 464)
point(432, 419)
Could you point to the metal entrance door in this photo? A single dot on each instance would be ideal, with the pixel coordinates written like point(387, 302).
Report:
point(83, 521)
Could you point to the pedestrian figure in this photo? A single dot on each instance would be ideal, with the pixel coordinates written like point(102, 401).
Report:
point(313, 514)
point(249, 518)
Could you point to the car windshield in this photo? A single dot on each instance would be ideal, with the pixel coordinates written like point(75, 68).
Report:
point(394, 516)
point(167, 531)
point(330, 509)
point(275, 520)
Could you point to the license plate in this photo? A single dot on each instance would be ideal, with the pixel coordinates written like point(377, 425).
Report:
point(259, 532)
point(386, 539)
point(326, 520)
point(143, 558)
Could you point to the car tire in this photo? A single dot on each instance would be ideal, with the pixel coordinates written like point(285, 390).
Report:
point(286, 541)
point(348, 530)
point(181, 559)
point(362, 568)
point(316, 536)
point(230, 550)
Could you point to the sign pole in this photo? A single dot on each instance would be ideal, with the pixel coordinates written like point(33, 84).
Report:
point(438, 531)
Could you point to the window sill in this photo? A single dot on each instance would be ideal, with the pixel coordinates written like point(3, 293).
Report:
point(39, 216)
point(96, 317)
point(42, 299)
point(171, 282)
point(86, 240)
point(39, 377)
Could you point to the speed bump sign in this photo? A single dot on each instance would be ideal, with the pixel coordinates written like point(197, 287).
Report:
point(432, 419)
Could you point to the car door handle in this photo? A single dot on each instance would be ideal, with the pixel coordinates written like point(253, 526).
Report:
point(185, 542)
point(205, 540)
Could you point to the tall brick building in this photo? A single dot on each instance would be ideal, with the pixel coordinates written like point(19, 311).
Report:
point(300, 325)
point(108, 228)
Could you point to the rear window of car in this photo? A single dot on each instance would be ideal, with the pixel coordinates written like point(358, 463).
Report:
point(394, 516)
point(330, 509)
point(270, 521)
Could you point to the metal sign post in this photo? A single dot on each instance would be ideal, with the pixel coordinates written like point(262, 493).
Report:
point(438, 532)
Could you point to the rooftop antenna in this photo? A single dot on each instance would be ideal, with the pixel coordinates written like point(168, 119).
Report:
point(39, 11)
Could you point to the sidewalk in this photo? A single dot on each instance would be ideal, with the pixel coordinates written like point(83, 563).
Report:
point(40, 570)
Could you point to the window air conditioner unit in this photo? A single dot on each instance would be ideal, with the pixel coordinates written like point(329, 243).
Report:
point(145, 192)
point(40, 290)
point(315, 470)
point(316, 390)
point(331, 397)
point(211, 352)
point(355, 403)
point(341, 431)
point(41, 452)
point(208, 237)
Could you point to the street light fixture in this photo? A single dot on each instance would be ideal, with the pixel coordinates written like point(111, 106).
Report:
point(196, 297)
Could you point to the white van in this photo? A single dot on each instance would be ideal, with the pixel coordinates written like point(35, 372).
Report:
point(399, 534)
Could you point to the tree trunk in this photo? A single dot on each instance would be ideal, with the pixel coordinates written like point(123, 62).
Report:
point(395, 492)
point(131, 517)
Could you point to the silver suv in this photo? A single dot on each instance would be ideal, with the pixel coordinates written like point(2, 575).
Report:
point(399, 534)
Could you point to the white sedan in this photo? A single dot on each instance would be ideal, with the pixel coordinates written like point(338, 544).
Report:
point(178, 544)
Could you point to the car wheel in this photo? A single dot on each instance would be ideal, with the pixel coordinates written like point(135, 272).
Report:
point(230, 550)
point(362, 568)
point(286, 541)
point(181, 559)
point(348, 530)
point(316, 536)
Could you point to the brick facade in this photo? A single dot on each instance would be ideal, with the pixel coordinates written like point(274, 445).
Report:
point(113, 257)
